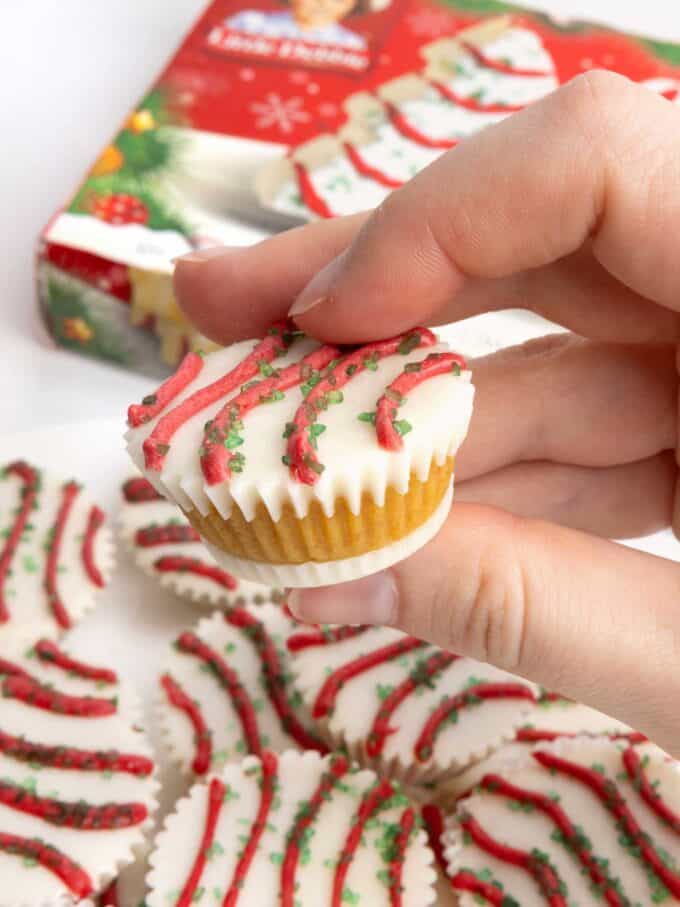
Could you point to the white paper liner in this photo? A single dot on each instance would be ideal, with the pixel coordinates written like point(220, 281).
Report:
point(341, 571)
point(299, 775)
point(30, 614)
point(233, 644)
point(602, 832)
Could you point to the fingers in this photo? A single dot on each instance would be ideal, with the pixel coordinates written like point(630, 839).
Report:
point(527, 596)
point(513, 198)
point(617, 502)
point(567, 400)
point(235, 293)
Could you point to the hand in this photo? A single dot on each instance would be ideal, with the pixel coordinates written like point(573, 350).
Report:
point(570, 208)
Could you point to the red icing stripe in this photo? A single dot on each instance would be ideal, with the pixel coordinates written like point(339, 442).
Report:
point(231, 683)
point(268, 791)
point(534, 735)
point(70, 492)
point(636, 772)
point(29, 691)
point(49, 652)
point(500, 66)
point(402, 125)
point(174, 563)
point(466, 881)
point(178, 698)
point(110, 898)
point(78, 814)
point(71, 759)
point(365, 169)
point(371, 803)
point(326, 636)
point(414, 374)
point(168, 534)
point(325, 701)
point(472, 696)
point(473, 104)
point(609, 795)
point(8, 667)
point(604, 884)
point(151, 406)
point(433, 819)
point(396, 868)
point(310, 196)
point(216, 794)
point(156, 446)
point(218, 462)
point(302, 458)
point(94, 522)
point(305, 819)
point(71, 874)
point(422, 675)
point(273, 674)
point(31, 482)
point(545, 876)
point(140, 491)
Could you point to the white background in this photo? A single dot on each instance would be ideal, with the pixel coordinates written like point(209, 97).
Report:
point(69, 72)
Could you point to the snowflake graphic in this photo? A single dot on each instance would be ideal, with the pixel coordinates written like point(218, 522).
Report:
point(429, 23)
point(280, 113)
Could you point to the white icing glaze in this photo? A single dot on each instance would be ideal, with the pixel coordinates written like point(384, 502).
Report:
point(201, 589)
point(101, 853)
point(299, 775)
point(478, 727)
point(532, 829)
point(30, 615)
point(235, 646)
point(439, 411)
point(341, 571)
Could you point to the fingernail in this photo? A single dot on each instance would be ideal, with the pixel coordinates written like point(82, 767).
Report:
point(199, 255)
point(319, 287)
point(371, 600)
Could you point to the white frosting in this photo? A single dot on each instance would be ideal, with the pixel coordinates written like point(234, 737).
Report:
point(235, 646)
point(30, 615)
point(201, 589)
point(532, 829)
point(101, 853)
point(478, 726)
point(326, 573)
point(439, 411)
point(299, 776)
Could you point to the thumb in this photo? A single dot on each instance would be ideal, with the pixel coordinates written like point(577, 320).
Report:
point(590, 618)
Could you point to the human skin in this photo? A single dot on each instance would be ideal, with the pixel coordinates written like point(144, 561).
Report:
point(318, 13)
point(570, 209)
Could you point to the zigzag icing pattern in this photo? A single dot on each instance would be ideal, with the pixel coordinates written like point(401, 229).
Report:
point(55, 554)
point(165, 546)
point(227, 691)
point(575, 822)
point(424, 714)
point(295, 830)
point(77, 785)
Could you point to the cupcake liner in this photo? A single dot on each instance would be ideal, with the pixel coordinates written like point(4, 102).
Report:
point(57, 552)
point(340, 571)
point(583, 816)
point(163, 544)
point(69, 744)
point(246, 703)
point(425, 713)
point(302, 802)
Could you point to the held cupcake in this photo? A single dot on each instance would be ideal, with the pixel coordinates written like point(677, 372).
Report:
point(301, 464)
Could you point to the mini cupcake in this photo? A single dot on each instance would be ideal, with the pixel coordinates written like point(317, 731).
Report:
point(77, 783)
point(296, 830)
point(424, 714)
point(302, 464)
point(165, 545)
point(552, 717)
point(227, 691)
point(56, 554)
point(581, 822)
